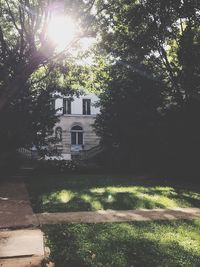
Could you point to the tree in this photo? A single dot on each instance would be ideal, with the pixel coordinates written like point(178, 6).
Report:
point(158, 39)
point(31, 66)
point(24, 42)
point(151, 32)
point(129, 116)
point(188, 54)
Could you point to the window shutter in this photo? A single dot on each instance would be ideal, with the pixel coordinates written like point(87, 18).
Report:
point(84, 107)
point(88, 106)
point(69, 108)
point(64, 105)
point(53, 104)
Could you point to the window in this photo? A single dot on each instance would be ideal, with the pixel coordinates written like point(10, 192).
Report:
point(86, 106)
point(66, 106)
point(77, 135)
point(58, 134)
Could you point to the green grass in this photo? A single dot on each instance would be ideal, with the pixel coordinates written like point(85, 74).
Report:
point(143, 244)
point(100, 192)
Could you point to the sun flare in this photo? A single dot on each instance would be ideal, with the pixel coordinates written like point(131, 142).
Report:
point(62, 31)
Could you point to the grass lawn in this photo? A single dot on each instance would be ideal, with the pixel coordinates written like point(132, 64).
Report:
point(59, 193)
point(163, 244)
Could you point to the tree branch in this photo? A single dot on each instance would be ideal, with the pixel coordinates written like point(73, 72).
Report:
point(12, 17)
point(3, 44)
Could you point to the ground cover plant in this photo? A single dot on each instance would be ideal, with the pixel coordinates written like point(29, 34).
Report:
point(166, 244)
point(59, 193)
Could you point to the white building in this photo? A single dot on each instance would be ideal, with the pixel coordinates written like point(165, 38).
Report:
point(74, 133)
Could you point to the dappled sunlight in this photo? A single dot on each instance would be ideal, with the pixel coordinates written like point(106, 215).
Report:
point(183, 235)
point(125, 244)
point(191, 195)
point(95, 204)
point(118, 198)
point(164, 191)
point(62, 196)
point(161, 201)
point(157, 196)
point(65, 196)
point(132, 189)
point(91, 193)
point(196, 223)
point(187, 242)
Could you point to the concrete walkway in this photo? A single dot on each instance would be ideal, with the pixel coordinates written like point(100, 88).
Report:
point(21, 248)
point(119, 216)
point(15, 208)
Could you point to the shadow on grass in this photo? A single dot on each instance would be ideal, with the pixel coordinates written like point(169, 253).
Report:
point(120, 201)
point(89, 193)
point(125, 244)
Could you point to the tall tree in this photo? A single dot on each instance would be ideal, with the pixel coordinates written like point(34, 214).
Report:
point(31, 65)
point(156, 39)
point(152, 32)
point(128, 121)
point(24, 42)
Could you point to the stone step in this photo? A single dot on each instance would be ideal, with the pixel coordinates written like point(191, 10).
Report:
point(21, 248)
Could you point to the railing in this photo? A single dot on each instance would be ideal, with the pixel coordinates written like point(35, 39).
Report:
point(90, 153)
point(27, 153)
point(83, 154)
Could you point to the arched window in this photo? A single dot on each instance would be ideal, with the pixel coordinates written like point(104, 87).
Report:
point(77, 135)
point(58, 134)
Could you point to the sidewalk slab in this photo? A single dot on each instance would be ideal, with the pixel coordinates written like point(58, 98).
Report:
point(106, 216)
point(15, 208)
point(21, 243)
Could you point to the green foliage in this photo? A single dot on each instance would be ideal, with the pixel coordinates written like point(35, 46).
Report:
point(154, 46)
point(151, 33)
point(153, 244)
point(31, 68)
point(27, 120)
point(129, 114)
point(56, 166)
point(188, 55)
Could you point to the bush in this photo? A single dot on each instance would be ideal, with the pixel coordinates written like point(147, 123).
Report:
point(56, 166)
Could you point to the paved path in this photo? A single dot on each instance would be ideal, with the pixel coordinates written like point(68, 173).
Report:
point(24, 242)
point(24, 247)
point(15, 208)
point(21, 248)
point(119, 216)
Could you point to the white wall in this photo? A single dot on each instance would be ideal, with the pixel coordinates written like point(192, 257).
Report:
point(77, 104)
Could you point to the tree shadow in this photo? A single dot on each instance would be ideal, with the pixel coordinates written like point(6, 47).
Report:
point(128, 201)
point(123, 244)
point(83, 185)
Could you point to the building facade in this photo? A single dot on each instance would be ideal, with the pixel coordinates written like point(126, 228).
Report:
point(74, 133)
